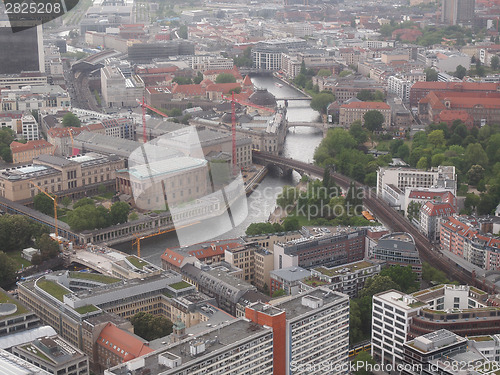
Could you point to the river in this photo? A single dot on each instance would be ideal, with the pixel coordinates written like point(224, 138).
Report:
point(300, 144)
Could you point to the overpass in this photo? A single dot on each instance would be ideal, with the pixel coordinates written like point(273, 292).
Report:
point(386, 214)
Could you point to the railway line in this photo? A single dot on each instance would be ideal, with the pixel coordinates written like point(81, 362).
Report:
point(385, 213)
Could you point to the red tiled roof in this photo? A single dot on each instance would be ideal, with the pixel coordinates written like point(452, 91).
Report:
point(366, 105)
point(459, 100)
point(30, 145)
point(465, 86)
point(222, 87)
point(172, 257)
point(64, 132)
point(247, 81)
point(214, 249)
point(188, 89)
point(122, 343)
point(438, 209)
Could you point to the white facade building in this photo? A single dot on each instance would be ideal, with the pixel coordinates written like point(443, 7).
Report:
point(119, 86)
point(399, 86)
point(30, 127)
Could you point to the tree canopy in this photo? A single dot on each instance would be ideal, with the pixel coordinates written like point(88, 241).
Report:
point(7, 135)
point(225, 78)
point(7, 271)
point(373, 120)
point(321, 101)
point(70, 119)
point(151, 327)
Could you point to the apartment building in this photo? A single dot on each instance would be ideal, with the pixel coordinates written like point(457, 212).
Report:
point(26, 152)
point(53, 355)
point(29, 127)
point(392, 182)
point(239, 346)
point(431, 214)
point(344, 245)
point(463, 237)
point(349, 87)
point(355, 111)
point(267, 54)
point(399, 249)
point(264, 264)
point(348, 278)
point(311, 332)
point(457, 11)
point(242, 257)
point(46, 98)
point(63, 176)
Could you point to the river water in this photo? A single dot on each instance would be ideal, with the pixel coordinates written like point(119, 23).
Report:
point(300, 144)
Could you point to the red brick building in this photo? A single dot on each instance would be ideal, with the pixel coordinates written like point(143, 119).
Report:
point(420, 89)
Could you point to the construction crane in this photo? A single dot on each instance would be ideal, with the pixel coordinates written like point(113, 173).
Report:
point(233, 124)
point(137, 241)
point(144, 106)
point(70, 131)
point(54, 198)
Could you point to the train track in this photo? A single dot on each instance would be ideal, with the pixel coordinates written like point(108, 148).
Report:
point(385, 213)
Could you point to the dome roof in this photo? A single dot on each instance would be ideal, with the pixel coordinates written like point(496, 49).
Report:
point(263, 97)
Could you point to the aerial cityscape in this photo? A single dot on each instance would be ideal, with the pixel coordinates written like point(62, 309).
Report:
point(249, 188)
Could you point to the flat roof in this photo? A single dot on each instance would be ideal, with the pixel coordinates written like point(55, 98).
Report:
point(294, 307)
point(160, 168)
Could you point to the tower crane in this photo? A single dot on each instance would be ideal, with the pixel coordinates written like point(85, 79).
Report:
point(54, 198)
point(233, 123)
point(144, 106)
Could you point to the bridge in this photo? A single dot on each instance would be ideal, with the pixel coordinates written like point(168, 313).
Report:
point(295, 98)
point(387, 215)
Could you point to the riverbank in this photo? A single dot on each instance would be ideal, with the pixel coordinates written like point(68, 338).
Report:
point(278, 215)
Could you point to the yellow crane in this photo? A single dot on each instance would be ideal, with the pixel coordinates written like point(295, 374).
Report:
point(137, 241)
point(54, 198)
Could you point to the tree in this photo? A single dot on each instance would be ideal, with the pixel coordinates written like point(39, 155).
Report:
point(44, 204)
point(358, 133)
point(423, 163)
point(291, 223)
point(365, 95)
point(436, 138)
point(151, 327)
point(377, 284)
point(7, 271)
point(495, 62)
point(225, 78)
point(183, 32)
point(413, 210)
point(403, 276)
point(279, 293)
point(373, 120)
point(182, 80)
point(431, 274)
point(66, 201)
point(321, 101)
point(70, 119)
point(474, 154)
point(460, 72)
point(361, 361)
point(324, 73)
point(119, 212)
point(199, 77)
point(48, 247)
point(431, 75)
point(475, 174)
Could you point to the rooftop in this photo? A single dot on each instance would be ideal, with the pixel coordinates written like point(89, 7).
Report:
point(295, 307)
point(351, 267)
point(291, 274)
point(5, 298)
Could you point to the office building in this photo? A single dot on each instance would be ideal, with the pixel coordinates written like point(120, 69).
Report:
point(59, 175)
point(392, 182)
point(455, 12)
point(344, 245)
point(266, 55)
point(310, 332)
point(15, 365)
point(239, 346)
point(26, 152)
point(288, 279)
point(14, 317)
point(398, 317)
point(119, 86)
point(54, 355)
point(399, 249)
point(141, 53)
point(25, 49)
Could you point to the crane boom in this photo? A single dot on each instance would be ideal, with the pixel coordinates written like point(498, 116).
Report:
point(144, 106)
point(55, 206)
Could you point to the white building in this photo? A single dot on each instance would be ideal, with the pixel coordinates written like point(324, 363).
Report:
point(392, 182)
point(30, 127)
point(393, 314)
point(119, 86)
point(46, 98)
point(399, 86)
point(209, 62)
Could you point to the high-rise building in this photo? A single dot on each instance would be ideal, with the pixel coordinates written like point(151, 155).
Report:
point(25, 49)
point(457, 11)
